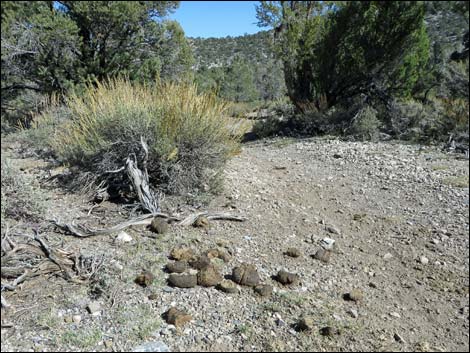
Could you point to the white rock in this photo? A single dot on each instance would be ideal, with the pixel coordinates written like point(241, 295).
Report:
point(94, 308)
point(388, 256)
point(76, 319)
point(327, 243)
point(123, 237)
point(353, 313)
point(395, 314)
point(424, 260)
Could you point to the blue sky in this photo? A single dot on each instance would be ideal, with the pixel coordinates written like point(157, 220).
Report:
point(217, 18)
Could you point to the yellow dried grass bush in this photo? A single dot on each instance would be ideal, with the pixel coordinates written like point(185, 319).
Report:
point(188, 134)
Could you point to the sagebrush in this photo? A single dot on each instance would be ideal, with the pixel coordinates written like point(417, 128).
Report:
point(188, 134)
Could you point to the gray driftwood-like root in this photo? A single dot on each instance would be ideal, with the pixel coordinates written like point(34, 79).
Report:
point(84, 232)
point(149, 199)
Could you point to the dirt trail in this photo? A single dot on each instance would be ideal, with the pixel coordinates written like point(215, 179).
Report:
point(400, 224)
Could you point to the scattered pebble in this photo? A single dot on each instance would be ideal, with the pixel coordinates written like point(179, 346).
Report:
point(323, 255)
point(156, 346)
point(398, 338)
point(356, 295)
point(329, 331)
point(94, 308)
point(123, 237)
point(353, 313)
point(305, 324)
point(293, 252)
point(327, 243)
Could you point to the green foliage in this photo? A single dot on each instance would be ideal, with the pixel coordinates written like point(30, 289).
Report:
point(188, 137)
point(365, 125)
point(218, 60)
point(238, 84)
point(333, 51)
point(56, 49)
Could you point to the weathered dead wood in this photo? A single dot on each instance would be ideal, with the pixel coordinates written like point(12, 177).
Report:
point(149, 199)
point(83, 231)
point(27, 260)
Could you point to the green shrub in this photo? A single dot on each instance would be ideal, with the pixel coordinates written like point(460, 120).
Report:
point(188, 136)
point(365, 124)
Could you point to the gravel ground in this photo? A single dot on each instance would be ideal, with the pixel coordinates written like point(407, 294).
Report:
point(398, 215)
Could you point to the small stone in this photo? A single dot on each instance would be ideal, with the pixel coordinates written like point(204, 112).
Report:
point(336, 156)
point(76, 319)
point(182, 281)
point(329, 331)
point(168, 289)
point(332, 230)
point(293, 252)
point(123, 237)
point(356, 295)
point(144, 279)
point(264, 290)
point(177, 266)
point(388, 256)
point(323, 255)
point(327, 243)
point(395, 314)
point(153, 296)
point(209, 277)
point(159, 225)
point(228, 286)
point(424, 260)
point(94, 308)
point(108, 344)
point(353, 313)
point(246, 275)
point(200, 262)
point(287, 278)
point(201, 222)
point(68, 319)
point(305, 324)
point(217, 253)
point(177, 317)
point(358, 217)
point(157, 346)
point(398, 338)
point(181, 253)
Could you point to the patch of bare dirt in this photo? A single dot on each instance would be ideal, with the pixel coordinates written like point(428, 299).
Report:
point(396, 277)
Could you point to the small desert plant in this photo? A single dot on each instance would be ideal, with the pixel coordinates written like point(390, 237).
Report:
point(365, 124)
point(189, 138)
point(20, 196)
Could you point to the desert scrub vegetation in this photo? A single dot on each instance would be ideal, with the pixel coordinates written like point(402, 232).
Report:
point(188, 134)
point(20, 196)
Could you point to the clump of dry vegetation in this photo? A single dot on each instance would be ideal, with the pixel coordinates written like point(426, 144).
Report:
point(188, 136)
point(20, 195)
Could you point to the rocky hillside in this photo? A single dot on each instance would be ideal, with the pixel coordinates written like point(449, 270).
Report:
point(216, 52)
